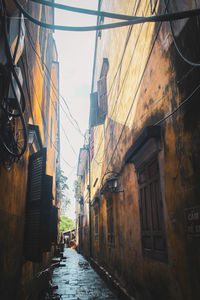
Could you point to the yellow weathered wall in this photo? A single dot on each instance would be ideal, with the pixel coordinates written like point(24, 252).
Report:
point(17, 280)
point(162, 89)
point(84, 232)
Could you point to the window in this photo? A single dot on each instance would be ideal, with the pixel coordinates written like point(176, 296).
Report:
point(33, 218)
point(144, 153)
point(151, 212)
point(47, 214)
point(34, 138)
point(99, 99)
point(40, 215)
point(110, 223)
point(102, 91)
point(96, 223)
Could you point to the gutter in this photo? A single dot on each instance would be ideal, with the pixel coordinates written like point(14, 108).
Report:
point(117, 288)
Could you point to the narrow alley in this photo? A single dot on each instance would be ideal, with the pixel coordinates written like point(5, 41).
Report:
point(77, 280)
point(99, 149)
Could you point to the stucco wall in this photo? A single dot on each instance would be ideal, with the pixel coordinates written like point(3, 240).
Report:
point(134, 103)
point(16, 273)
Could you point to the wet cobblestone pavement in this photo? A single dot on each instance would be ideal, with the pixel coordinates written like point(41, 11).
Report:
point(77, 280)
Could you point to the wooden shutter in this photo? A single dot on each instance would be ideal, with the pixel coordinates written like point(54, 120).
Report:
point(102, 97)
point(54, 224)
point(151, 212)
point(36, 171)
point(110, 222)
point(96, 222)
point(32, 239)
point(94, 120)
point(46, 212)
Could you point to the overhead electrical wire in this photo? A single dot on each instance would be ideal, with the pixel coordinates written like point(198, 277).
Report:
point(27, 83)
point(77, 127)
point(18, 38)
point(118, 69)
point(55, 89)
point(54, 92)
point(160, 121)
point(13, 146)
point(194, 64)
point(179, 106)
point(133, 101)
point(44, 122)
point(136, 20)
point(12, 66)
point(84, 11)
point(118, 95)
point(68, 141)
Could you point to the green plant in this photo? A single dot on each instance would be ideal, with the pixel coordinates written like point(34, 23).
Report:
point(61, 189)
point(66, 223)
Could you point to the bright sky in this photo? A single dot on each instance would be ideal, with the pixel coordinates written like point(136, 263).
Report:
point(75, 54)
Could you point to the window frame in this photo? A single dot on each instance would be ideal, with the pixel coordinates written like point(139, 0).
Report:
point(102, 91)
point(147, 147)
point(110, 222)
point(151, 210)
point(33, 247)
point(96, 223)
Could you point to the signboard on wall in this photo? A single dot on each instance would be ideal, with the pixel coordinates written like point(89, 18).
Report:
point(192, 221)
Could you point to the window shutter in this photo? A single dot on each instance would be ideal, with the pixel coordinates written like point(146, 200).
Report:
point(54, 224)
point(96, 222)
point(110, 222)
point(32, 239)
point(94, 110)
point(144, 154)
point(153, 237)
point(32, 235)
point(102, 97)
point(46, 212)
point(36, 170)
